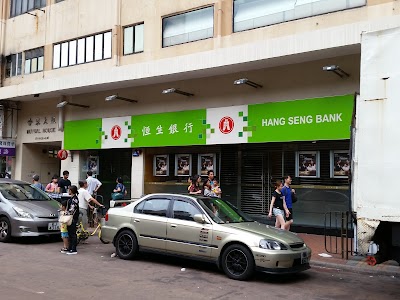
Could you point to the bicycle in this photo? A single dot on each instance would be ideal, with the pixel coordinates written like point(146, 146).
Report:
point(92, 215)
point(83, 234)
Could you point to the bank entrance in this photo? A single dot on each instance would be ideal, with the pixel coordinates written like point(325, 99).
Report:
point(106, 165)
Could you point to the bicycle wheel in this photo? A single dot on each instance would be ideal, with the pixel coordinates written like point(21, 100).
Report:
point(81, 234)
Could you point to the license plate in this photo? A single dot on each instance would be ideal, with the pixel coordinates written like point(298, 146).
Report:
point(53, 226)
point(304, 258)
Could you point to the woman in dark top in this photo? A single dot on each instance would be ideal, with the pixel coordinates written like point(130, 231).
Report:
point(73, 209)
point(278, 206)
point(195, 187)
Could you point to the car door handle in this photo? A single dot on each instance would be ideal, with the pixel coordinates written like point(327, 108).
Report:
point(173, 225)
point(136, 221)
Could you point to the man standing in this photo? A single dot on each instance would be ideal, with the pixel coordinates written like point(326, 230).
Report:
point(84, 201)
point(287, 192)
point(36, 182)
point(93, 184)
point(64, 183)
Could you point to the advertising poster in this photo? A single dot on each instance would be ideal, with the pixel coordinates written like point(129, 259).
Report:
point(307, 164)
point(340, 164)
point(93, 165)
point(206, 162)
point(160, 165)
point(183, 165)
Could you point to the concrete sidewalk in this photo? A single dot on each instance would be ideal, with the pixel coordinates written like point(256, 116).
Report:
point(354, 263)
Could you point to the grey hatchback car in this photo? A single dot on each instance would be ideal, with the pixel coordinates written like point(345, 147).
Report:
point(26, 211)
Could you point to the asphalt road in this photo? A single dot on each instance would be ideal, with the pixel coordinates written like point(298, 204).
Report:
point(35, 269)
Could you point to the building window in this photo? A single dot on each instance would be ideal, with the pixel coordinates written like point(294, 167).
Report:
point(188, 27)
point(82, 50)
point(133, 39)
point(249, 14)
point(13, 65)
point(34, 60)
point(59, 1)
point(19, 7)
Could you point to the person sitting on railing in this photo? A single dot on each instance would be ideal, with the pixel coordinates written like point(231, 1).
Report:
point(120, 191)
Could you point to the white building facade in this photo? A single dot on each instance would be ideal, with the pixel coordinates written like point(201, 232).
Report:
point(236, 86)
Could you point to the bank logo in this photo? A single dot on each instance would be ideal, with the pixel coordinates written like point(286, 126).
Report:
point(226, 125)
point(116, 132)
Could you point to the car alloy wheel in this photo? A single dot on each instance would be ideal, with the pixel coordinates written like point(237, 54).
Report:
point(126, 244)
point(5, 230)
point(238, 262)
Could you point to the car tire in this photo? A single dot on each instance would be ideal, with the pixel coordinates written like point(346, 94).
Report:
point(238, 262)
point(126, 244)
point(5, 230)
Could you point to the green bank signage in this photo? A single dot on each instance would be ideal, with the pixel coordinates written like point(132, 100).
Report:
point(299, 120)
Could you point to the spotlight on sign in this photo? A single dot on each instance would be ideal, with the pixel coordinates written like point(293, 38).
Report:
point(248, 82)
point(173, 90)
point(337, 70)
point(65, 103)
point(116, 97)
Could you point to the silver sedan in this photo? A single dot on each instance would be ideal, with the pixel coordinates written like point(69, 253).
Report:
point(202, 228)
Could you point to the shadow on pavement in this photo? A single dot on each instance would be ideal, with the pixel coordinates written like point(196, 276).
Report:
point(212, 268)
point(36, 240)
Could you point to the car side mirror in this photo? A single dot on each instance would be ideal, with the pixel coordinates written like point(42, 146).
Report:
point(199, 218)
point(112, 203)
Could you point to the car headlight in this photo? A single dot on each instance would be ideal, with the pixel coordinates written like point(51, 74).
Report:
point(21, 213)
point(272, 245)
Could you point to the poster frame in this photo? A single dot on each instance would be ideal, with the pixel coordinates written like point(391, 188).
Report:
point(332, 163)
point(166, 158)
point(316, 154)
point(189, 158)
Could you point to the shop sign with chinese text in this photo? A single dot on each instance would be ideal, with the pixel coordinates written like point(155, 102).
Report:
point(7, 147)
point(326, 118)
point(40, 129)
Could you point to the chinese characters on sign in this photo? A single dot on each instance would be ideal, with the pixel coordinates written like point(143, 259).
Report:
point(39, 126)
point(7, 147)
point(172, 129)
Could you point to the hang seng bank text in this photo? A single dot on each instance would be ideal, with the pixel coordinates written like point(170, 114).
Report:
point(298, 120)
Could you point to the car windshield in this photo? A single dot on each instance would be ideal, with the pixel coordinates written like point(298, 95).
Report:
point(221, 211)
point(22, 192)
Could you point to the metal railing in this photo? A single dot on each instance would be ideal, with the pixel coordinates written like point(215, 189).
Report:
point(339, 233)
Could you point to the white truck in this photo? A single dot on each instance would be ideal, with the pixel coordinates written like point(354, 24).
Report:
point(376, 145)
